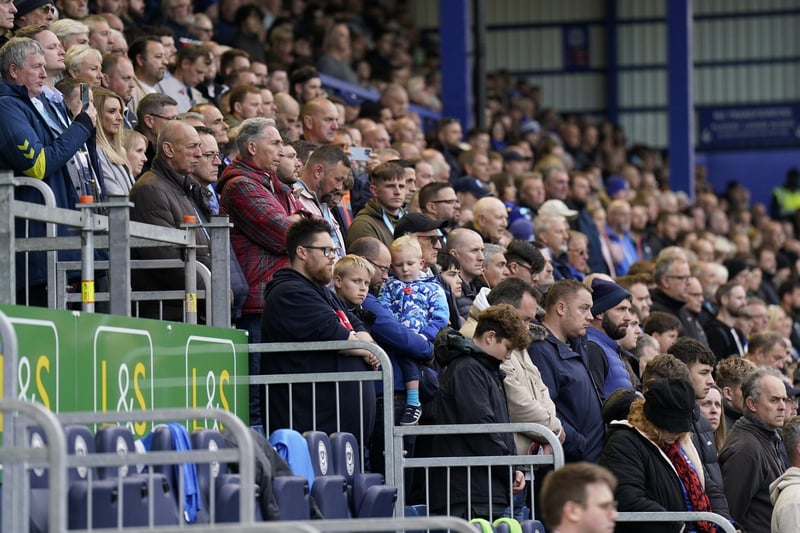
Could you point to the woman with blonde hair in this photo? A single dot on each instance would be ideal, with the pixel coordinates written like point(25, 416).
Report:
point(110, 152)
point(135, 145)
point(658, 467)
point(84, 63)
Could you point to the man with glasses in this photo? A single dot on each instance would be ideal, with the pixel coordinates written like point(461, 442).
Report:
point(438, 201)
point(690, 313)
point(163, 196)
point(525, 261)
point(34, 12)
point(671, 276)
point(724, 338)
point(152, 114)
point(298, 307)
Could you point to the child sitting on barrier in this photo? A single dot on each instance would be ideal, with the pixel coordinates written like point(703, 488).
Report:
point(419, 304)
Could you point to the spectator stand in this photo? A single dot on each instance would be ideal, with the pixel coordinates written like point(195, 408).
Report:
point(116, 233)
point(400, 463)
point(354, 93)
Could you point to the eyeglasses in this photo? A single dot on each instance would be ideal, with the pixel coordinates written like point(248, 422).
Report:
point(579, 251)
point(529, 268)
point(383, 269)
point(48, 9)
point(212, 156)
point(163, 117)
point(450, 202)
point(679, 278)
point(434, 239)
point(326, 250)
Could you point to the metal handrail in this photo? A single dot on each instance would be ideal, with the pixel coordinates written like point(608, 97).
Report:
point(647, 516)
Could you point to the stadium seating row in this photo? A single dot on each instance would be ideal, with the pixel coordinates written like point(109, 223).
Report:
point(205, 492)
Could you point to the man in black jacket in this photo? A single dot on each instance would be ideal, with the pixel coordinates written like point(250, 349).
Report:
point(471, 392)
point(700, 361)
point(751, 458)
point(724, 338)
point(298, 307)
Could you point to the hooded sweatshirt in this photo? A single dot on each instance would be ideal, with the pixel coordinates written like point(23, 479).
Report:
point(784, 493)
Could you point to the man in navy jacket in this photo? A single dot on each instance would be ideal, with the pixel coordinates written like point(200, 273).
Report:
point(30, 146)
point(562, 360)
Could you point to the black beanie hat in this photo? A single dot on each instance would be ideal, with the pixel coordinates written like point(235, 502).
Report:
point(668, 404)
point(605, 295)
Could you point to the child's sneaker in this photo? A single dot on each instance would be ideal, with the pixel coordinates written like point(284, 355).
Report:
point(411, 415)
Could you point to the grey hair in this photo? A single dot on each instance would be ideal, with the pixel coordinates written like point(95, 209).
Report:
point(751, 386)
point(251, 129)
point(643, 342)
point(543, 222)
point(16, 51)
point(491, 249)
point(662, 267)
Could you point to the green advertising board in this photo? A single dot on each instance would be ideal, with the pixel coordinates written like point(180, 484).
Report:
point(72, 361)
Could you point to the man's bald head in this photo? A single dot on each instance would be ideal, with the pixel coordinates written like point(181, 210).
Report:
point(320, 120)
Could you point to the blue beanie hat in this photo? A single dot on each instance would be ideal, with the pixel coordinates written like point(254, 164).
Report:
point(605, 295)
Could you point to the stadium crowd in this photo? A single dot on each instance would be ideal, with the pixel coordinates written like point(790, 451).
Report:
point(539, 270)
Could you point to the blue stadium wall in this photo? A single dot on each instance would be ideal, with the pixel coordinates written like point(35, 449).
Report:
point(609, 58)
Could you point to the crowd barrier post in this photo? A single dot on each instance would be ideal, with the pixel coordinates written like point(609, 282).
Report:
point(16, 454)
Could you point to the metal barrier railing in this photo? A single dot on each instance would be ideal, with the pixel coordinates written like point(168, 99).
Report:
point(401, 463)
point(648, 516)
point(113, 232)
point(17, 457)
point(243, 454)
point(439, 523)
point(384, 375)
point(65, 298)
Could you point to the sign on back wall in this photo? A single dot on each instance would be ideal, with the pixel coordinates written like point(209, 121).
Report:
point(71, 361)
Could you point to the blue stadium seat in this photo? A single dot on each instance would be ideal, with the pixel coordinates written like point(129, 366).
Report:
point(330, 494)
point(39, 479)
point(368, 496)
point(532, 526)
point(292, 496)
point(164, 438)
point(214, 478)
point(319, 447)
point(80, 441)
point(118, 440)
point(207, 473)
point(106, 502)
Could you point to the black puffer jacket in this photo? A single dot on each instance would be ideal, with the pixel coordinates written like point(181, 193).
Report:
point(703, 440)
point(471, 392)
point(647, 479)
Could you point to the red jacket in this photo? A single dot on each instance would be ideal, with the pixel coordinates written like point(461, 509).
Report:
point(259, 207)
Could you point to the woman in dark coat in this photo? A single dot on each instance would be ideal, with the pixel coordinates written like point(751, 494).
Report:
point(657, 466)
